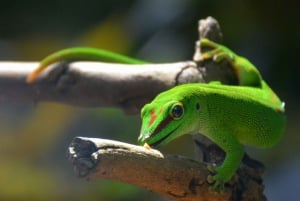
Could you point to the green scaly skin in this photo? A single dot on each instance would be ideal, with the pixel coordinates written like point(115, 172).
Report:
point(231, 116)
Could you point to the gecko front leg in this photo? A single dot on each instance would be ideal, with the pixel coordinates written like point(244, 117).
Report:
point(234, 154)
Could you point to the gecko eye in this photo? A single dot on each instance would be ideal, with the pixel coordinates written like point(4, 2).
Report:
point(177, 111)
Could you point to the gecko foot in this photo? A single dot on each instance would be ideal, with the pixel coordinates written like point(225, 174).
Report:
point(215, 179)
point(217, 53)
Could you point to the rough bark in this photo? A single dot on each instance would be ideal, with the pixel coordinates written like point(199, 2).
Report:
point(175, 177)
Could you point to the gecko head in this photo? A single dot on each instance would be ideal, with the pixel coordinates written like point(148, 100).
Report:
point(166, 118)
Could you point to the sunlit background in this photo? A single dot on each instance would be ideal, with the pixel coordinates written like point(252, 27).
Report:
point(34, 138)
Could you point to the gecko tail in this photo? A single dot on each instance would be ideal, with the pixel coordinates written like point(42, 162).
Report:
point(33, 76)
point(81, 54)
point(65, 54)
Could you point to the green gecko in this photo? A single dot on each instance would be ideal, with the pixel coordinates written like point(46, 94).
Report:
point(230, 116)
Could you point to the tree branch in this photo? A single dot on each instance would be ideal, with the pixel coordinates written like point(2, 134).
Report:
point(104, 84)
point(128, 87)
point(174, 177)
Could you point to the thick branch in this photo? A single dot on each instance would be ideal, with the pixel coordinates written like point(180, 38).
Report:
point(95, 84)
point(174, 177)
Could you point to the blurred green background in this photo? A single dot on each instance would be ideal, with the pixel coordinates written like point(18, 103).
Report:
point(34, 138)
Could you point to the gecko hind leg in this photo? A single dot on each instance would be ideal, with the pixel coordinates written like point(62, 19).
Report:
point(218, 52)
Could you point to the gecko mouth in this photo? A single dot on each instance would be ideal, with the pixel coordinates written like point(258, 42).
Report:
point(155, 144)
point(159, 129)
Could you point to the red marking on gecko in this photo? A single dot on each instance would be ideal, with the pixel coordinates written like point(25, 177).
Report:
point(152, 118)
